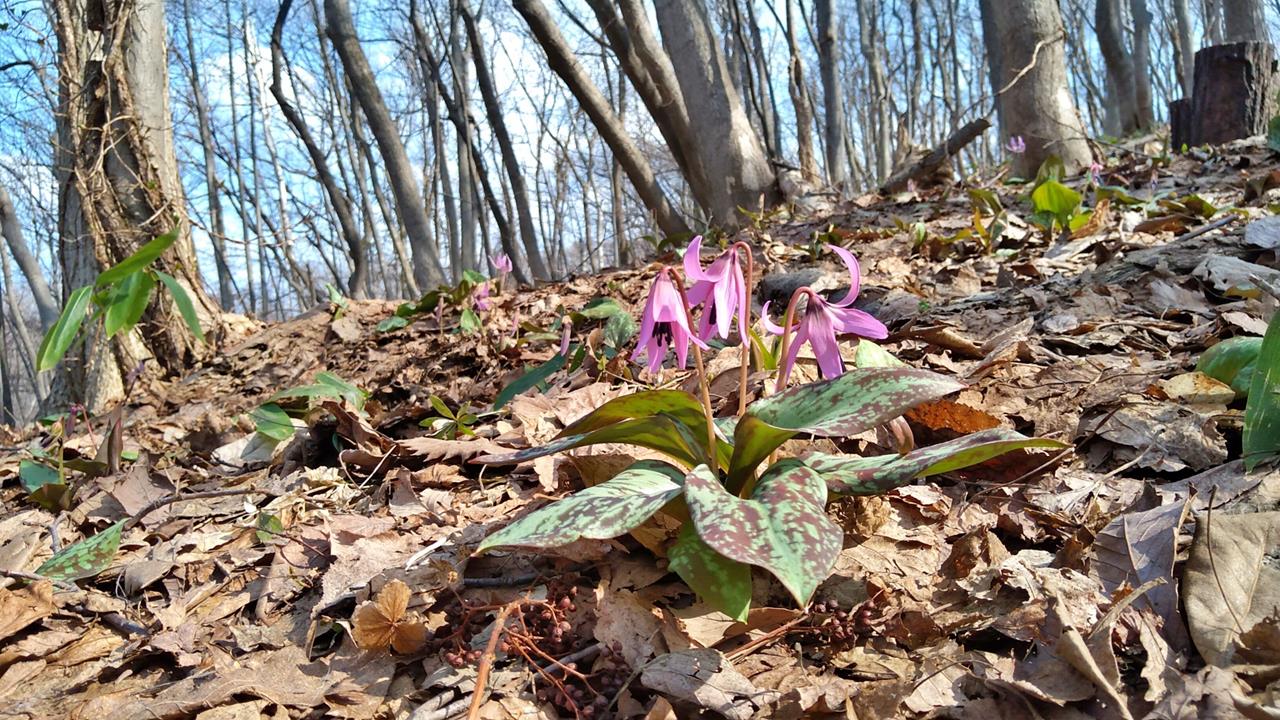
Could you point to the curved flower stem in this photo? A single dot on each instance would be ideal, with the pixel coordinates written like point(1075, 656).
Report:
point(745, 331)
point(703, 388)
point(784, 371)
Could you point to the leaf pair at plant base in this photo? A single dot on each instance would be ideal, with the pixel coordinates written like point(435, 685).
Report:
point(851, 475)
point(858, 400)
point(669, 421)
point(86, 558)
point(1262, 411)
point(782, 528)
point(603, 511)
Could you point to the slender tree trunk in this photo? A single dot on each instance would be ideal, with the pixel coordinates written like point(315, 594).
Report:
point(498, 125)
point(357, 251)
point(1122, 111)
point(468, 197)
point(404, 185)
point(1184, 51)
point(879, 86)
point(730, 150)
point(800, 99)
point(1142, 64)
point(11, 228)
point(832, 102)
point(217, 229)
point(564, 63)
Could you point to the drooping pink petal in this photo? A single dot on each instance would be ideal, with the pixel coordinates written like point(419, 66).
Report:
point(855, 276)
point(857, 322)
point(793, 351)
point(693, 261)
point(822, 338)
point(769, 325)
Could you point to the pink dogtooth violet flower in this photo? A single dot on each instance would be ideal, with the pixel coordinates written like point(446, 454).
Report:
point(566, 332)
point(503, 264)
point(1017, 145)
point(480, 297)
point(721, 286)
point(665, 324)
point(824, 320)
point(1095, 172)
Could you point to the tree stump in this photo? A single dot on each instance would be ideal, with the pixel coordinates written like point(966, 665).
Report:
point(1233, 95)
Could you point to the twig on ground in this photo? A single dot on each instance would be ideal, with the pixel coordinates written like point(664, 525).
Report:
point(486, 660)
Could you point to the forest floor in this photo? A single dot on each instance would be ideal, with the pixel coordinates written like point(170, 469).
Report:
point(1051, 585)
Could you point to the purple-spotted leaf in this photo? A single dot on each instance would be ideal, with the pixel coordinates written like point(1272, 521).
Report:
point(658, 432)
point(86, 558)
point(858, 400)
point(783, 528)
point(676, 403)
point(725, 584)
point(612, 508)
point(852, 475)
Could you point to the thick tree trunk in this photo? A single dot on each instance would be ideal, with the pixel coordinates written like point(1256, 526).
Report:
point(357, 252)
point(832, 100)
point(1142, 64)
point(729, 150)
point(1244, 21)
point(1033, 94)
point(404, 185)
point(118, 185)
point(1234, 95)
point(1121, 117)
point(564, 63)
point(11, 228)
point(498, 124)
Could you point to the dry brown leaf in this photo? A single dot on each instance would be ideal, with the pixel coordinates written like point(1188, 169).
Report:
point(1230, 583)
point(20, 608)
point(705, 678)
point(382, 622)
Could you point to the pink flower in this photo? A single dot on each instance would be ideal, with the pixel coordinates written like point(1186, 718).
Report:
point(1095, 172)
point(503, 264)
point(823, 321)
point(665, 324)
point(721, 286)
point(566, 332)
point(480, 297)
point(1016, 145)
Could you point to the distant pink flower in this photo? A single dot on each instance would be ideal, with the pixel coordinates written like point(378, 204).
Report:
point(480, 297)
point(823, 321)
point(1095, 173)
point(565, 332)
point(503, 264)
point(721, 286)
point(1017, 145)
point(665, 324)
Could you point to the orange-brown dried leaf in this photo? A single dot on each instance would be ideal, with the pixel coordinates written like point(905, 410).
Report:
point(381, 623)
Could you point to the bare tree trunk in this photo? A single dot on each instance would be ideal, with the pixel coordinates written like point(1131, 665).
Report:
point(1033, 94)
point(1244, 21)
point(1122, 112)
point(357, 252)
point(800, 99)
point(730, 150)
point(564, 63)
point(413, 213)
point(468, 197)
point(1142, 64)
point(832, 102)
point(498, 125)
point(217, 229)
point(118, 185)
point(22, 343)
point(46, 306)
point(867, 39)
point(1184, 51)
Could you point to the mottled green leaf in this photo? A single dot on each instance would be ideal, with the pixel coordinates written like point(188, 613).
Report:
point(271, 421)
point(186, 308)
point(128, 301)
point(86, 558)
point(852, 475)
point(1057, 200)
point(869, 354)
point(783, 528)
point(36, 475)
point(1262, 411)
point(619, 330)
point(395, 322)
point(725, 584)
point(469, 322)
point(858, 400)
point(656, 433)
point(64, 330)
point(529, 380)
point(268, 527)
point(600, 308)
point(141, 258)
point(1232, 361)
point(327, 385)
point(676, 403)
point(612, 508)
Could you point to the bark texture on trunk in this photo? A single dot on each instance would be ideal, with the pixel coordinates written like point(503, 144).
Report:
point(410, 208)
point(11, 228)
point(1032, 92)
point(729, 148)
point(832, 102)
point(1244, 21)
point(118, 185)
point(1234, 95)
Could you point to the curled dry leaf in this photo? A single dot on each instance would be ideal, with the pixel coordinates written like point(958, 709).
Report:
point(381, 623)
